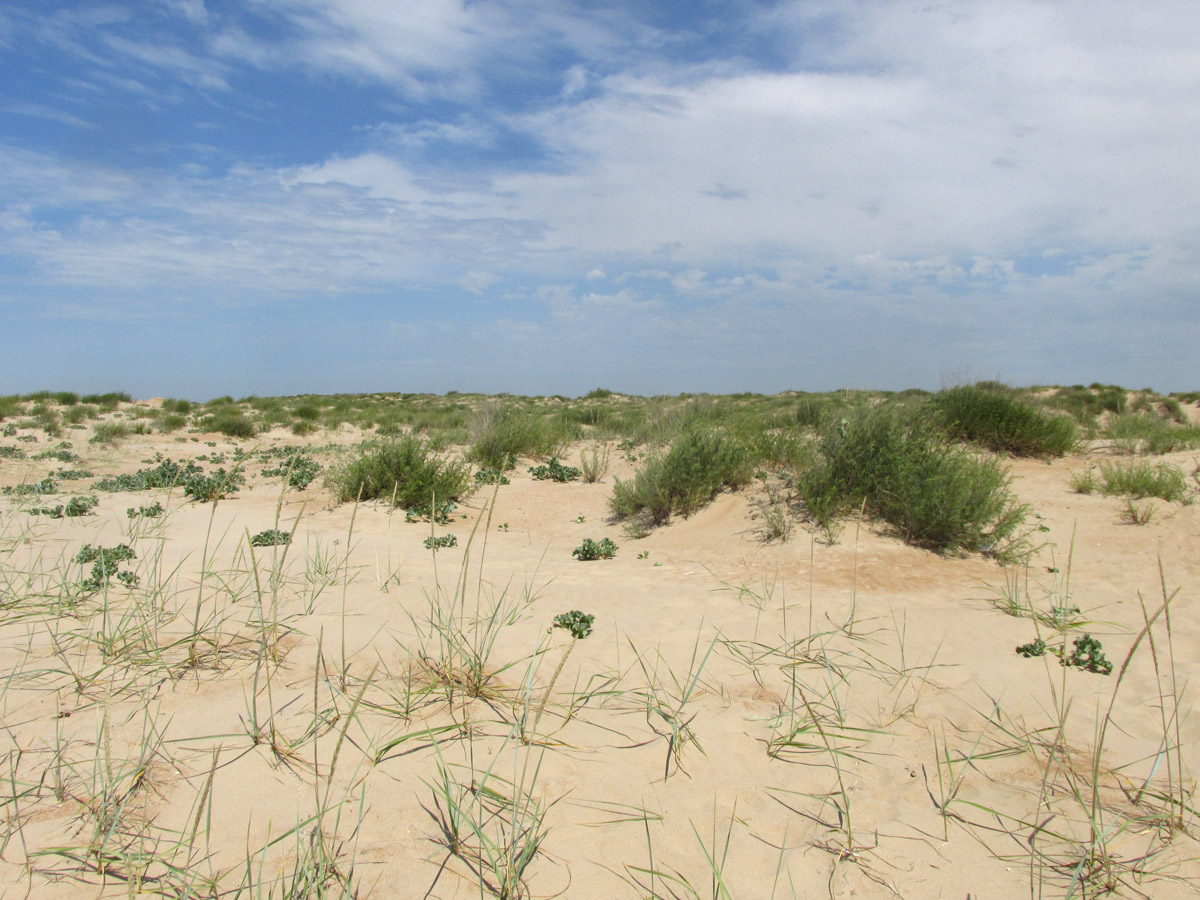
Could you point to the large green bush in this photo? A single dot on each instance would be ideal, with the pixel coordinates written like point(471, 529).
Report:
point(405, 470)
point(900, 468)
point(993, 416)
point(698, 465)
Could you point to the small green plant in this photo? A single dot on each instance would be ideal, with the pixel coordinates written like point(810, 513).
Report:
point(105, 562)
point(153, 511)
point(591, 550)
point(300, 469)
point(1084, 482)
point(50, 512)
point(645, 554)
point(1140, 479)
point(503, 526)
point(1132, 514)
point(441, 543)
point(580, 519)
point(438, 513)
point(1088, 654)
point(491, 476)
point(216, 486)
point(272, 537)
point(81, 505)
point(554, 471)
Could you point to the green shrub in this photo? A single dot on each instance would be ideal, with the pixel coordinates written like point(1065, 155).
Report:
point(901, 469)
point(994, 417)
point(554, 471)
point(230, 423)
point(591, 550)
point(51, 512)
point(105, 562)
point(109, 400)
point(404, 471)
point(109, 432)
point(171, 422)
point(81, 505)
point(491, 476)
point(698, 465)
point(215, 486)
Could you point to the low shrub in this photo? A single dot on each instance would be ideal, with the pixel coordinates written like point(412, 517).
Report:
point(109, 432)
point(699, 464)
point(994, 417)
point(901, 469)
point(81, 505)
point(404, 471)
point(230, 423)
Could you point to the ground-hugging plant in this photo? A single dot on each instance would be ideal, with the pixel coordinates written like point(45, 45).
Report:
point(491, 476)
point(272, 537)
point(554, 471)
point(153, 511)
point(299, 468)
point(591, 550)
point(441, 543)
point(105, 564)
point(1088, 654)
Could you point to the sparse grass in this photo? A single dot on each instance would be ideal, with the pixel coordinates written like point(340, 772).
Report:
point(503, 433)
point(1140, 432)
point(1138, 480)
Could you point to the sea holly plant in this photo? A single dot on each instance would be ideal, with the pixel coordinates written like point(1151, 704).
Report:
point(554, 471)
point(1088, 654)
point(578, 625)
point(105, 562)
point(440, 543)
point(590, 550)
point(272, 537)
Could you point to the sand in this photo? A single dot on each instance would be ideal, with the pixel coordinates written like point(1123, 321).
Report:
point(748, 718)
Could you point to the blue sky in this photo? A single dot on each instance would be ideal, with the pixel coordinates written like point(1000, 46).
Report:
point(200, 197)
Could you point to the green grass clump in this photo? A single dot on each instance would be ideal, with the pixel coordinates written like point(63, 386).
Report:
point(1135, 432)
point(900, 468)
point(404, 471)
point(994, 417)
point(503, 433)
point(1140, 479)
point(107, 401)
point(698, 465)
point(109, 432)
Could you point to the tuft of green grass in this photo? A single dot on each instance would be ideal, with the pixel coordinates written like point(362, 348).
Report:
point(1140, 432)
point(995, 418)
point(503, 433)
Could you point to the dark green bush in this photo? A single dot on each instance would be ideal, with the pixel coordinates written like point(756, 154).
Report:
point(698, 465)
point(230, 423)
point(994, 417)
point(902, 470)
point(403, 470)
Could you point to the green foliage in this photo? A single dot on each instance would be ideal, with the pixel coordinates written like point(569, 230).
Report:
point(215, 486)
point(440, 543)
point(591, 550)
point(1088, 654)
point(81, 505)
point(504, 433)
point(109, 432)
point(72, 474)
point(12, 453)
point(579, 624)
point(105, 562)
point(995, 418)
point(272, 537)
point(299, 468)
point(1135, 432)
point(109, 400)
point(1139, 480)
point(699, 464)
point(153, 511)
point(554, 471)
point(229, 422)
point(438, 513)
point(491, 476)
point(36, 489)
point(404, 471)
point(52, 512)
point(899, 468)
point(166, 474)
